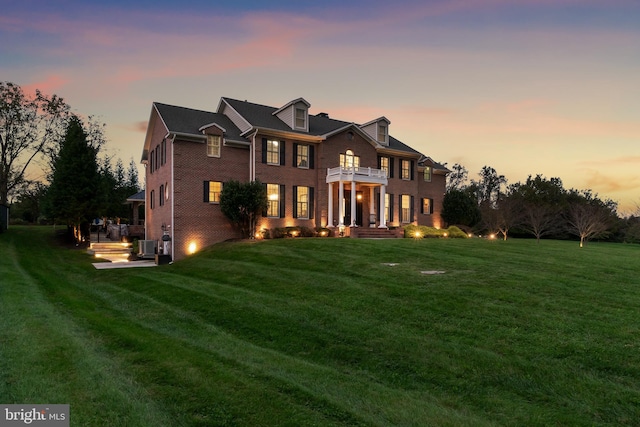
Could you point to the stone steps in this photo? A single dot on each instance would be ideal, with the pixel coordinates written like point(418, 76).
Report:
point(376, 233)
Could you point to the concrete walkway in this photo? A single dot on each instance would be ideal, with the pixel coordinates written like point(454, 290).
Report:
point(128, 264)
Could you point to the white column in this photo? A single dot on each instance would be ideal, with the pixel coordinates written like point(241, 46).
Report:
point(330, 208)
point(383, 218)
point(372, 207)
point(353, 204)
point(341, 205)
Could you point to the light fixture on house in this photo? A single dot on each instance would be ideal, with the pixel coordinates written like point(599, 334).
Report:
point(192, 248)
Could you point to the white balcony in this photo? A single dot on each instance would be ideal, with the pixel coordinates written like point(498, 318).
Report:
point(357, 174)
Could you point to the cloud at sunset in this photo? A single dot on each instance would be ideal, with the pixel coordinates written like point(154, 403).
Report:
point(487, 82)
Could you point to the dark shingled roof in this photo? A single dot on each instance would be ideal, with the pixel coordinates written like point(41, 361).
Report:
point(262, 116)
point(189, 121)
point(138, 197)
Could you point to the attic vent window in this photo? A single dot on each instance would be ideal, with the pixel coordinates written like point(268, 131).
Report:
point(301, 118)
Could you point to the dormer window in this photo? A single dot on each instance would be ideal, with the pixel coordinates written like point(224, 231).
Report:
point(295, 114)
point(301, 118)
point(382, 132)
point(378, 130)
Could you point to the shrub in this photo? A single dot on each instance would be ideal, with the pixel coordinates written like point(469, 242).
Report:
point(430, 232)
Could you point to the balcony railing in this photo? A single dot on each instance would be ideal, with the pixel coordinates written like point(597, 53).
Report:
point(356, 173)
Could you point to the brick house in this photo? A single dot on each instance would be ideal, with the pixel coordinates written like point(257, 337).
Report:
point(318, 172)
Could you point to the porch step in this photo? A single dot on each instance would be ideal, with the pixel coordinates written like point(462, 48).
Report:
point(110, 250)
point(376, 233)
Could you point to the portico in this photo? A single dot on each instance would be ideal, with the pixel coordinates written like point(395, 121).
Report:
point(352, 176)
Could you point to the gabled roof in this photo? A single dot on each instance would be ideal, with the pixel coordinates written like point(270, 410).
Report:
point(262, 116)
point(190, 122)
point(295, 101)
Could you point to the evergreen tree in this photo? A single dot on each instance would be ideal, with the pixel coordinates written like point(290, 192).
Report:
point(73, 197)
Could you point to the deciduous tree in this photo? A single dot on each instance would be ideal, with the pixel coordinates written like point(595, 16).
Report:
point(28, 127)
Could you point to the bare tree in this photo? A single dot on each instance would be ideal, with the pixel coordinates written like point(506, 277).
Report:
point(28, 125)
point(588, 220)
point(540, 220)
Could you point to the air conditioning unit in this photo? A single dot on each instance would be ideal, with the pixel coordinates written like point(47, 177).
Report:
point(146, 249)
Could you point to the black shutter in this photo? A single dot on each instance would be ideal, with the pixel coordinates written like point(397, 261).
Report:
point(422, 205)
point(430, 206)
point(205, 192)
point(311, 204)
point(411, 209)
point(282, 202)
point(264, 150)
point(264, 212)
point(311, 156)
point(412, 169)
point(377, 196)
point(379, 162)
point(391, 166)
point(390, 208)
point(295, 201)
point(295, 155)
point(282, 153)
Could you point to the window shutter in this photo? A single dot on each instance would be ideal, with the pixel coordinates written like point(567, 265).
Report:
point(311, 156)
point(411, 209)
point(390, 208)
point(282, 201)
point(311, 204)
point(295, 155)
point(377, 196)
point(430, 206)
point(295, 201)
point(391, 166)
point(264, 150)
point(205, 192)
point(412, 170)
point(422, 205)
point(264, 211)
point(379, 162)
point(282, 153)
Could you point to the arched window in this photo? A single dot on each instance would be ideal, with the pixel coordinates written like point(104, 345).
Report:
point(349, 160)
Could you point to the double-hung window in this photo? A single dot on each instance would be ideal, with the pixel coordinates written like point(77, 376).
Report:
point(213, 145)
point(427, 173)
point(405, 167)
point(384, 165)
point(273, 152)
point(302, 202)
point(302, 156)
point(405, 211)
point(213, 189)
point(273, 200)
point(427, 206)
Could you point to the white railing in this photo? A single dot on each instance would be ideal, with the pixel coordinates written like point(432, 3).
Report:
point(357, 171)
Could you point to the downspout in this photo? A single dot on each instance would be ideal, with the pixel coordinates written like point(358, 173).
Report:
point(173, 189)
point(252, 160)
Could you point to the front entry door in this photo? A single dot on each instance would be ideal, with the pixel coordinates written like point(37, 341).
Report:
point(347, 208)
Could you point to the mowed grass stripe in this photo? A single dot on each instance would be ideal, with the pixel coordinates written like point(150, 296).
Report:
point(320, 332)
point(47, 358)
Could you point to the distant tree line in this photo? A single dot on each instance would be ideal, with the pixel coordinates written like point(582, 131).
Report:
point(79, 180)
point(539, 208)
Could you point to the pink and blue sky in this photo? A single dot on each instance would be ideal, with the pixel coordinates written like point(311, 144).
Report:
point(528, 87)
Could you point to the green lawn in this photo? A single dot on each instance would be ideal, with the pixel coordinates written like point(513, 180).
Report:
point(321, 332)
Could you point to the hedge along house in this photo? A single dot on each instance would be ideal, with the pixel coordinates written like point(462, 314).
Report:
point(318, 172)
